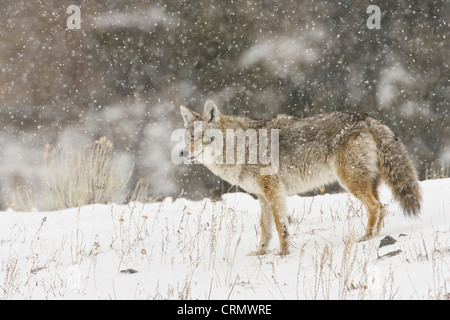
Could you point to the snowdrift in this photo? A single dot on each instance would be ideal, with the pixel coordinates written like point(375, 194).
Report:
point(181, 249)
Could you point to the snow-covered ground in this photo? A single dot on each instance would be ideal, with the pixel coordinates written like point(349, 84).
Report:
point(199, 250)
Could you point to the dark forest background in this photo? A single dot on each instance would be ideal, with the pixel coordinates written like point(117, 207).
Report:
point(125, 72)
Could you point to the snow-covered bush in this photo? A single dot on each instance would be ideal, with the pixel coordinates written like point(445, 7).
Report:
point(84, 176)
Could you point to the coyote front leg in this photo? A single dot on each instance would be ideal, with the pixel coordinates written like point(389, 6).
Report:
point(266, 226)
point(276, 200)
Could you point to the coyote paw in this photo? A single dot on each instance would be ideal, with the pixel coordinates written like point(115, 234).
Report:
point(364, 238)
point(283, 253)
point(257, 253)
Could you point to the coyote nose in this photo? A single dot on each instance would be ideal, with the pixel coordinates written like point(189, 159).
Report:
point(183, 153)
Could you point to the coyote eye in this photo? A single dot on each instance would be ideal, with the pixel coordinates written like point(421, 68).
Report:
point(209, 139)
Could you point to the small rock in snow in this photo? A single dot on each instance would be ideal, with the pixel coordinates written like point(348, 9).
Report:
point(387, 241)
point(130, 271)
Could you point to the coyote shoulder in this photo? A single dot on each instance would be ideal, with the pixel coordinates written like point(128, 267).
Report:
point(354, 149)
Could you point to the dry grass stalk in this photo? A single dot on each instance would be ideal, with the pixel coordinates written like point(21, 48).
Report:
point(84, 176)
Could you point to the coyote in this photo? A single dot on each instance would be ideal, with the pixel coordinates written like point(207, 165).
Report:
point(354, 149)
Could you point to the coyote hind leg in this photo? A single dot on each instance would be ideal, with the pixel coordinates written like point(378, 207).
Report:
point(374, 208)
point(358, 172)
point(363, 192)
point(382, 213)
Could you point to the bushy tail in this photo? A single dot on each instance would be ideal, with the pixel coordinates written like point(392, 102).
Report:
point(396, 168)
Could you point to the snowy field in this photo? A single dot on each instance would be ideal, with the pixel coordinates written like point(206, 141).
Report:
point(199, 250)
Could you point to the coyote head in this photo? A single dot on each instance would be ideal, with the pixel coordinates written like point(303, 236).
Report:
point(204, 136)
point(215, 139)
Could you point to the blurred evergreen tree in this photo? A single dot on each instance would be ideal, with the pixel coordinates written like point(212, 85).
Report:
point(132, 63)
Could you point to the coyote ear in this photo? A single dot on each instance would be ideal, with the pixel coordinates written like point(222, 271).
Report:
point(188, 115)
point(211, 112)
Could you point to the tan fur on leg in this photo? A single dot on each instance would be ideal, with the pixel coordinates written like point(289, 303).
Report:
point(359, 174)
point(276, 201)
point(266, 226)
